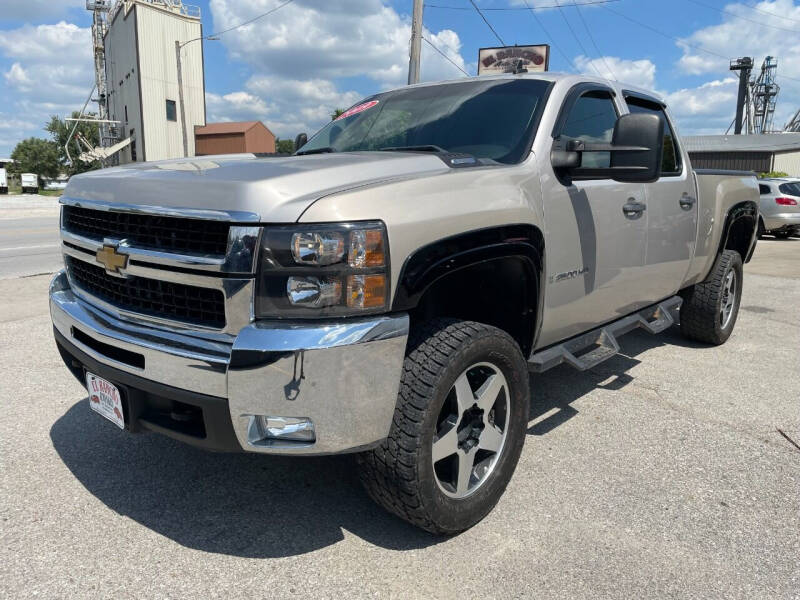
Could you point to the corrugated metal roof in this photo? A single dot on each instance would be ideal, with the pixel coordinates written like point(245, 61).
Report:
point(765, 142)
point(228, 127)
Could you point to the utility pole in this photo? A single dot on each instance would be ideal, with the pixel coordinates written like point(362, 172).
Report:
point(180, 100)
point(416, 43)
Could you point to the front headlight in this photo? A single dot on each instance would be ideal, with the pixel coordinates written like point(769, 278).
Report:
point(323, 270)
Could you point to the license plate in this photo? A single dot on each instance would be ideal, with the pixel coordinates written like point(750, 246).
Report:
point(104, 398)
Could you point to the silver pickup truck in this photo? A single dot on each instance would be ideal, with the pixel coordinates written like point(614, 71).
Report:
point(387, 290)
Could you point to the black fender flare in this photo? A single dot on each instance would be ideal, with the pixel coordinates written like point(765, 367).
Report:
point(742, 210)
point(430, 263)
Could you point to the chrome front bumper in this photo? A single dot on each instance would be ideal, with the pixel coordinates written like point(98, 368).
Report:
point(343, 375)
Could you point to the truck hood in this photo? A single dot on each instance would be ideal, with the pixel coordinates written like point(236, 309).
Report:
point(277, 189)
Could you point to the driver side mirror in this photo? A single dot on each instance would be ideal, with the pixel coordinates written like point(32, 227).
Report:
point(300, 141)
point(636, 148)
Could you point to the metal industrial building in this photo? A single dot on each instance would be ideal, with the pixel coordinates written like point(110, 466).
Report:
point(760, 153)
point(141, 69)
point(234, 137)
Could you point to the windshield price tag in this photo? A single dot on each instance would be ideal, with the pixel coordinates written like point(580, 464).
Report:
point(357, 109)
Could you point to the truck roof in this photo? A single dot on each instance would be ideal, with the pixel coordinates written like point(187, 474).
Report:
point(554, 76)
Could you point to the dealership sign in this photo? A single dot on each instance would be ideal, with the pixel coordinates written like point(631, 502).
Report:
point(513, 59)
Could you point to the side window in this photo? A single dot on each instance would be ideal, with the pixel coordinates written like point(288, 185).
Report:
point(793, 189)
point(592, 119)
point(763, 189)
point(172, 113)
point(671, 158)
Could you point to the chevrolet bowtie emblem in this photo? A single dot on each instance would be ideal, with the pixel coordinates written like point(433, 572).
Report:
point(112, 260)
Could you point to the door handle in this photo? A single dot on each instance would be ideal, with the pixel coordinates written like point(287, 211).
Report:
point(633, 209)
point(687, 201)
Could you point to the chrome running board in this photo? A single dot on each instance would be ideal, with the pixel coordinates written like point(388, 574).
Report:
point(590, 349)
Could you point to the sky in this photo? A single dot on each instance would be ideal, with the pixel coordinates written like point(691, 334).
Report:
point(293, 67)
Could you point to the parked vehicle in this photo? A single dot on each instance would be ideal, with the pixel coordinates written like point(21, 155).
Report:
point(3, 182)
point(387, 290)
point(780, 207)
point(30, 183)
point(58, 183)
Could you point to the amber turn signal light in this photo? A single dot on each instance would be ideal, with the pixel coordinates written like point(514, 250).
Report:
point(366, 291)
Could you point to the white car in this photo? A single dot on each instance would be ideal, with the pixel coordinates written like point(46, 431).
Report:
point(780, 207)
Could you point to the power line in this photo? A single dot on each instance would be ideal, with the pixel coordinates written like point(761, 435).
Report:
point(678, 40)
point(441, 43)
point(591, 37)
point(261, 16)
point(766, 12)
point(506, 8)
point(666, 35)
point(570, 64)
point(450, 60)
point(485, 20)
point(577, 39)
point(734, 15)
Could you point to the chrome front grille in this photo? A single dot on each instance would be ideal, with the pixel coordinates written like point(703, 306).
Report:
point(162, 299)
point(180, 268)
point(156, 232)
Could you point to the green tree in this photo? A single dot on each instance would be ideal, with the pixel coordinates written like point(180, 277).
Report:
point(36, 155)
point(772, 174)
point(337, 112)
point(284, 146)
point(60, 129)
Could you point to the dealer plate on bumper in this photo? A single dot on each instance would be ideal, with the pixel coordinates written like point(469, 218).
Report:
point(104, 398)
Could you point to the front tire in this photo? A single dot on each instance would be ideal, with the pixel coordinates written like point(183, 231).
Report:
point(710, 308)
point(458, 428)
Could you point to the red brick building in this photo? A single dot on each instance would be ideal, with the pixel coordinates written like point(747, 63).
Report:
point(233, 137)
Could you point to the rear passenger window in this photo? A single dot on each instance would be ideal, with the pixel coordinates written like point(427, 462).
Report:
point(793, 189)
point(671, 158)
point(763, 189)
point(592, 119)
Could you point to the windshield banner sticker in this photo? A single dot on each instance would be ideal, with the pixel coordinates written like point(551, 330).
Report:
point(357, 109)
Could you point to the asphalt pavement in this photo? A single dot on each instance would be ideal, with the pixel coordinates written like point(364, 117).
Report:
point(29, 242)
point(661, 473)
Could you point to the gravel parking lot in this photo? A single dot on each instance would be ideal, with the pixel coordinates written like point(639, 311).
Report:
point(661, 473)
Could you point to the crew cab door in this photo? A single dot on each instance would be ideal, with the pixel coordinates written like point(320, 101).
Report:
point(671, 212)
point(595, 237)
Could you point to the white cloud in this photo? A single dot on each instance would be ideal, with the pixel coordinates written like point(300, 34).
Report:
point(711, 98)
point(51, 73)
point(342, 39)
point(62, 42)
point(236, 106)
point(296, 53)
point(18, 78)
point(768, 28)
point(9, 123)
point(636, 72)
point(545, 4)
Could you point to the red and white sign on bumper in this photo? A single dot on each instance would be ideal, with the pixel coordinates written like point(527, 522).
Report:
point(104, 398)
point(513, 59)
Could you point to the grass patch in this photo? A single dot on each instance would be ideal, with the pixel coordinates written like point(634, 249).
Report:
point(16, 190)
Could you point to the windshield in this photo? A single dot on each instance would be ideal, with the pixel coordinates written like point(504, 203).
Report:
point(491, 119)
point(793, 189)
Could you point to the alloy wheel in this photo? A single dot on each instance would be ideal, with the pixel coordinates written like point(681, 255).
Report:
point(728, 299)
point(471, 430)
